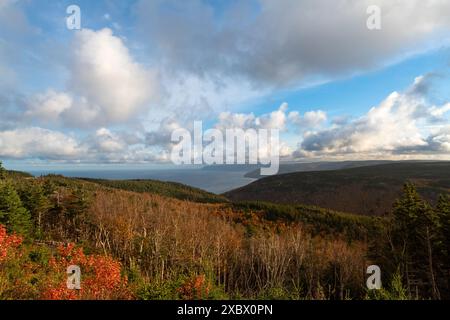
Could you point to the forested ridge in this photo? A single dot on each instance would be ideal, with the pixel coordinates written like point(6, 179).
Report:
point(132, 242)
point(369, 190)
point(168, 189)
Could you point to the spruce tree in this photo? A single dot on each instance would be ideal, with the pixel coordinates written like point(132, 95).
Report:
point(2, 172)
point(38, 204)
point(406, 211)
point(416, 239)
point(13, 215)
point(443, 212)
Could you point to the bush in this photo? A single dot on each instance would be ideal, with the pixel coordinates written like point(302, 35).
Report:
point(396, 290)
point(101, 277)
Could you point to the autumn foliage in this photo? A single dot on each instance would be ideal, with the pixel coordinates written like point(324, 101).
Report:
point(7, 243)
point(101, 276)
point(196, 287)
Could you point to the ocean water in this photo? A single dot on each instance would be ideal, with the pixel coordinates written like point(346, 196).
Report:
point(215, 181)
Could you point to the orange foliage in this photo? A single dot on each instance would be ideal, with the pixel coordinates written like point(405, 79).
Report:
point(100, 276)
point(7, 242)
point(196, 287)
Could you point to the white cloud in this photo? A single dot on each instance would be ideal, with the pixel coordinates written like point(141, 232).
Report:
point(278, 119)
point(107, 141)
point(38, 143)
point(48, 106)
point(403, 125)
point(104, 146)
point(310, 119)
point(439, 112)
point(106, 85)
point(400, 124)
point(190, 97)
point(274, 120)
point(236, 120)
point(105, 74)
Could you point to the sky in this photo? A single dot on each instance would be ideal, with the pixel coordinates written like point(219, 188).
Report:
point(113, 91)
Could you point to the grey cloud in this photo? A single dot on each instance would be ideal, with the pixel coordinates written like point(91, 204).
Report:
point(436, 144)
point(162, 136)
point(287, 42)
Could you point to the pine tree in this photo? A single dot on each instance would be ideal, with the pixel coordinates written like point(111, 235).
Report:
point(428, 247)
point(443, 212)
point(35, 200)
point(406, 211)
point(2, 172)
point(75, 206)
point(12, 213)
point(416, 239)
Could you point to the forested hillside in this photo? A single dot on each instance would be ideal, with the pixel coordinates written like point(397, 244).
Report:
point(168, 189)
point(368, 190)
point(142, 245)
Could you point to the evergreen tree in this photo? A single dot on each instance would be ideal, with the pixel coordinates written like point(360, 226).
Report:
point(2, 172)
point(35, 200)
point(443, 212)
point(13, 215)
point(406, 211)
point(416, 237)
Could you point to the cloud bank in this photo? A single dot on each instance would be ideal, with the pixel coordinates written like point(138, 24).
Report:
point(289, 42)
point(404, 123)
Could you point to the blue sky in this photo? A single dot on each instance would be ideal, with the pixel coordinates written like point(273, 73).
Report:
point(114, 91)
point(354, 95)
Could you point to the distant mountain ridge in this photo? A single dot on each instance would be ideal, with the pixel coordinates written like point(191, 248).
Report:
point(318, 166)
point(368, 190)
point(163, 188)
